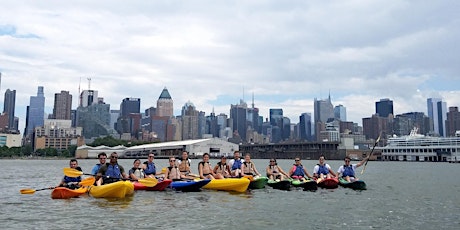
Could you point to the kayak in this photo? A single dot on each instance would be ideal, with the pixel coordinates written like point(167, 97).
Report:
point(280, 184)
point(356, 185)
point(328, 183)
point(229, 184)
point(160, 186)
point(258, 182)
point(119, 189)
point(67, 193)
point(307, 185)
point(189, 185)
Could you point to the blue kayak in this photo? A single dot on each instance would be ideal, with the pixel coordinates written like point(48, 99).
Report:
point(189, 185)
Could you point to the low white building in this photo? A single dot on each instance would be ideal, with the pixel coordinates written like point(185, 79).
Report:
point(196, 148)
point(10, 140)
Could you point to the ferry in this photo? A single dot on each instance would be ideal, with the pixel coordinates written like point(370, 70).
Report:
point(418, 147)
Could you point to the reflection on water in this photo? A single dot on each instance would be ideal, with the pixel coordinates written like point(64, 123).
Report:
point(400, 195)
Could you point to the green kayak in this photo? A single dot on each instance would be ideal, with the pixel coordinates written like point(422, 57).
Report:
point(356, 185)
point(307, 185)
point(258, 182)
point(280, 184)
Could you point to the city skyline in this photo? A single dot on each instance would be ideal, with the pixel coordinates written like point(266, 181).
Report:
point(213, 54)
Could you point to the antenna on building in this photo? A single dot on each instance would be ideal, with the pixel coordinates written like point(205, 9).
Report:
point(89, 83)
point(253, 99)
point(79, 93)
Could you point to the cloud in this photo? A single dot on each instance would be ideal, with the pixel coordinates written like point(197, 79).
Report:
point(211, 53)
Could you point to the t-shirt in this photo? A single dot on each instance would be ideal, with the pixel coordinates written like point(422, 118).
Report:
point(342, 169)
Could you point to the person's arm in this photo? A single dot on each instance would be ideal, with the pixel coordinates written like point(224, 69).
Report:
point(268, 171)
point(362, 162)
point(123, 173)
point(215, 169)
point(315, 171)
point(200, 170)
point(306, 173)
point(282, 171)
point(331, 171)
point(255, 169)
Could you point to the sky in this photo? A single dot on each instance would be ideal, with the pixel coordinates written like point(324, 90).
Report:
point(214, 53)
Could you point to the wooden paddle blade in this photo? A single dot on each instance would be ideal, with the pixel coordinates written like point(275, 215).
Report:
point(149, 182)
point(70, 172)
point(87, 181)
point(27, 191)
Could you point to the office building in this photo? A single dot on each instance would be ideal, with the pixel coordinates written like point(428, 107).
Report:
point(165, 106)
point(62, 109)
point(437, 110)
point(384, 107)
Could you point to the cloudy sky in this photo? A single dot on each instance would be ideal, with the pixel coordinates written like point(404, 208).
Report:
point(214, 53)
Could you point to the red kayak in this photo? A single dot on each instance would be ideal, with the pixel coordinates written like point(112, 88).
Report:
point(328, 183)
point(162, 185)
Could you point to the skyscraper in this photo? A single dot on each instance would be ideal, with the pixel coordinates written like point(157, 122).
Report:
point(88, 97)
point(130, 105)
point(384, 107)
point(165, 104)
point(340, 112)
point(238, 116)
point(8, 108)
point(190, 125)
point(437, 110)
point(453, 121)
point(35, 112)
point(323, 110)
point(305, 127)
point(62, 106)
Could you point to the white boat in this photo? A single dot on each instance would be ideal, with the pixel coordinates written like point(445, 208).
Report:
point(417, 147)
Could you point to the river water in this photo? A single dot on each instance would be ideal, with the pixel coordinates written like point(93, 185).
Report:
point(400, 195)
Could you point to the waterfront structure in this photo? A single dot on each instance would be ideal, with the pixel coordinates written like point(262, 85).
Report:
point(453, 121)
point(437, 110)
point(62, 106)
point(196, 148)
point(384, 107)
point(10, 140)
point(165, 104)
point(340, 112)
point(8, 109)
point(35, 115)
point(58, 134)
point(418, 147)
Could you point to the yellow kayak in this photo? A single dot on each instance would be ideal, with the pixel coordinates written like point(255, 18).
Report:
point(229, 184)
point(118, 189)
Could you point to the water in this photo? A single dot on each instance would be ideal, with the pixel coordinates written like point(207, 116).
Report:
point(400, 195)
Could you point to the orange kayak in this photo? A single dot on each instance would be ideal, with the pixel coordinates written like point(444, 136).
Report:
point(66, 193)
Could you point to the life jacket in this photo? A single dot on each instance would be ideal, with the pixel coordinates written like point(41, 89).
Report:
point(151, 169)
point(274, 169)
point(298, 171)
point(138, 172)
point(222, 167)
point(113, 171)
point(248, 168)
point(348, 171)
point(323, 169)
point(237, 164)
point(184, 165)
point(96, 169)
point(71, 179)
point(173, 175)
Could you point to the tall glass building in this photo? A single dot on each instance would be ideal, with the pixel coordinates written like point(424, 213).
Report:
point(35, 112)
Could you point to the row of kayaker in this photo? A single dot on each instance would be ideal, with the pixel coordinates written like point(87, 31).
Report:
point(180, 169)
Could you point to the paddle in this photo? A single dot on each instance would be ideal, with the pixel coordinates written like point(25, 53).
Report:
point(85, 182)
point(149, 182)
point(372, 151)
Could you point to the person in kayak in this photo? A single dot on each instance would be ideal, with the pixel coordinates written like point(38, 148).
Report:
point(111, 172)
point(149, 167)
point(173, 172)
point(274, 171)
point(235, 165)
point(249, 168)
point(205, 170)
point(102, 158)
point(71, 182)
point(298, 171)
point(323, 170)
point(222, 167)
point(184, 166)
point(136, 172)
point(347, 171)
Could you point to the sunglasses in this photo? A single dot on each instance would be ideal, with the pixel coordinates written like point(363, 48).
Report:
point(297, 160)
point(151, 156)
point(102, 158)
point(347, 161)
point(113, 157)
point(272, 161)
point(172, 160)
